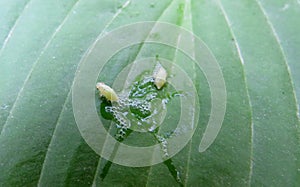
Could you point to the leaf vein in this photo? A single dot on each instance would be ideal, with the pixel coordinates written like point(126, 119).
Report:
point(70, 90)
point(188, 9)
point(12, 29)
point(278, 41)
point(228, 22)
point(33, 67)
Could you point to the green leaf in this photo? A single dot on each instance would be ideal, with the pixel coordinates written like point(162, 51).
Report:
point(256, 44)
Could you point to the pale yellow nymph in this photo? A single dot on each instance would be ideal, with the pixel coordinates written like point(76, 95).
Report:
point(107, 91)
point(160, 76)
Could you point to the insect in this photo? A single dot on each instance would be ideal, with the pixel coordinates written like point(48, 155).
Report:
point(160, 76)
point(107, 91)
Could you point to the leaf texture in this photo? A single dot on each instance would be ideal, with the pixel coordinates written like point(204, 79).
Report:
point(256, 44)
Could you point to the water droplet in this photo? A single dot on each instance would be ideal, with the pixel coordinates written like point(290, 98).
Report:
point(285, 7)
point(4, 107)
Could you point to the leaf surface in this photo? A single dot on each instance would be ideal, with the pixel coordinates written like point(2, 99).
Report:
point(256, 44)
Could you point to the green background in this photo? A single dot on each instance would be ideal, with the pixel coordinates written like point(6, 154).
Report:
point(256, 43)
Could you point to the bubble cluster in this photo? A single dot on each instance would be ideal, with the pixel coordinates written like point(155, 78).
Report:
point(163, 143)
point(137, 111)
point(122, 123)
point(142, 109)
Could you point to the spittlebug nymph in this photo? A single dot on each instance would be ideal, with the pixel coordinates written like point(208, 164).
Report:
point(107, 91)
point(160, 76)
